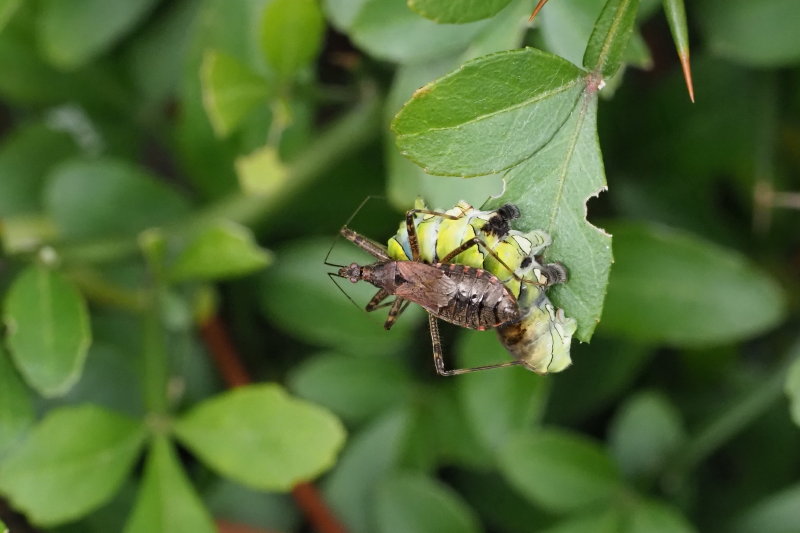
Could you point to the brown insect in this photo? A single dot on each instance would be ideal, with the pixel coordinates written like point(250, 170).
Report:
point(462, 295)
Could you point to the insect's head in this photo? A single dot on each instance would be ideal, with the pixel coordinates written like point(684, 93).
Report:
point(353, 272)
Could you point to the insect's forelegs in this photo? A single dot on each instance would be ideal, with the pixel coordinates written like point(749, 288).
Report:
point(371, 247)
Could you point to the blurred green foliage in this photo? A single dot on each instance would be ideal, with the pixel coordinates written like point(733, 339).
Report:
point(170, 166)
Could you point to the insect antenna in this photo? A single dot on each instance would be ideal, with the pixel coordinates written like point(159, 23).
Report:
point(333, 275)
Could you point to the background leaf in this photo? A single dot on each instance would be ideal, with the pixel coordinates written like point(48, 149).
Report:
point(292, 32)
point(25, 158)
point(219, 251)
point(654, 517)
point(413, 502)
point(457, 11)
point(777, 513)
point(16, 409)
point(230, 91)
point(645, 434)
point(7, 9)
point(73, 33)
point(792, 387)
point(369, 457)
point(167, 502)
point(71, 463)
point(355, 388)
point(497, 404)
point(671, 287)
point(382, 27)
point(559, 471)
point(124, 199)
point(48, 330)
point(262, 437)
point(757, 34)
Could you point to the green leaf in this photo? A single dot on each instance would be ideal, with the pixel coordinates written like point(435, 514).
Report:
point(25, 157)
point(291, 34)
point(219, 251)
point(73, 33)
point(231, 91)
point(370, 455)
point(355, 388)
point(167, 502)
point(610, 37)
point(156, 55)
point(551, 189)
point(107, 197)
point(388, 30)
point(656, 517)
point(777, 513)
point(559, 471)
point(566, 26)
point(760, 34)
point(343, 13)
point(415, 502)
point(600, 521)
point(7, 10)
point(440, 432)
point(672, 287)
point(457, 11)
point(603, 371)
point(481, 119)
point(645, 434)
point(16, 409)
point(298, 297)
point(501, 402)
point(71, 463)
point(262, 437)
point(262, 173)
point(792, 388)
point(48, 330)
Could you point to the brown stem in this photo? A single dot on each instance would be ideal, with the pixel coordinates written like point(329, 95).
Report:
point(230, 366)
point(313, 505)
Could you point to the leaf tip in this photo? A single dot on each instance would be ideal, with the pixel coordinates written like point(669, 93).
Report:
point(687, 73)
point(536, 10)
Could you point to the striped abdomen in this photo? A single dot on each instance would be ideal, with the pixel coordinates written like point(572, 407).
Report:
point(478, 299)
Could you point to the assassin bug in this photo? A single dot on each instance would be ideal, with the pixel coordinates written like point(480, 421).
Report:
point(464, 295)
point(542, 335)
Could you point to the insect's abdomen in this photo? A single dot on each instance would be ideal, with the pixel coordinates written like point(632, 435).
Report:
point(480, 300)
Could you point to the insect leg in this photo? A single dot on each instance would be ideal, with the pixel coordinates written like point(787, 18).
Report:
point(398, 306)
point(438, 359)
point(375, 302)
point(371, 247)
point(360, 206)
point(411, 229)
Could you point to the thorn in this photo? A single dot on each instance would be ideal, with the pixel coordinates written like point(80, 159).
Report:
point(536, 10)
point(687, 74)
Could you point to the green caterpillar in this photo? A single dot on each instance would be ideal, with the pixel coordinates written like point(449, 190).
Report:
point(541, 340)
